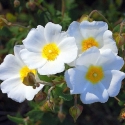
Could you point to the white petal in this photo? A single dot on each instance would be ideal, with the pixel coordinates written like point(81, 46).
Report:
point(112, 82)
point(52, 31)
point(94, 93)
point(17, 93)
point(52, 67)
point(10, 83)
point(35, 40)
point(109, 61)
point(89, 57)
point(17, 49)
point(109, 43)
point(13, 88)
point(74, 31)
point(30, 92)
point(68, 50)
point(33, 60)
point(75, 80)
point(10, 67)
point(92, 29)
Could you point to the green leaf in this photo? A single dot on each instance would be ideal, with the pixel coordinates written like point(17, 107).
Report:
point(35, 114)
point(58, 92)
point(44, 78)
point(16, 120)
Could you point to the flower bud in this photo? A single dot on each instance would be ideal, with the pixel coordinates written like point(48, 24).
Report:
point(16, 3)
point(31, 5)
point(75, 111)
point(84, 18)
point(122, 114)
point(61, 116)
point(40, 96)
point(47, 106)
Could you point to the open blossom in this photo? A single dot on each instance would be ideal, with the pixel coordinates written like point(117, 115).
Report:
point(47, 49)
point(13, 72)
point(88, 34)
point(96, 76)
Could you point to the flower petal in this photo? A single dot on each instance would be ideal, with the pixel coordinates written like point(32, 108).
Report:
point(74, 31)
point(112, 82)
point(33, 60)
point(13, 88)
point(109, 61)
point(109, 43)
point(75, 80)
point(52, 32)
point(10, 83)
point(92, 29)
point(17, 93)
point(94, 93)
point(68, 50)
point(89, 57)
point(51, 67)
point(35, 40)
point(10, 67)
point(30, 92)
point(17, 49)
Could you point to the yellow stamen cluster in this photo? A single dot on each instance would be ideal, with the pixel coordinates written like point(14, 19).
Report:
point(24, 72)
point(94, 74)
point(50, 51)
point(88, 43)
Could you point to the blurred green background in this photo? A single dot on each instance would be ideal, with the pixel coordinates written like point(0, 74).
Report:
point(22, 15)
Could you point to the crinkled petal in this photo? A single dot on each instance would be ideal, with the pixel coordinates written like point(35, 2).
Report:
point(112, 81)
point(68, 50)
point(94, 93)
point(89, 57)
point(10, 83)
point(17, 93)
point(74, 31)
point(109, 61)
point(35, 40)
point(75, 80)
point(52, 32)
point(30, 92)
point(10, 67)
point(17, 49)
point(92, 29)
point(52, 67)
point(33, 60)
point(109, 42)
point(13, 88)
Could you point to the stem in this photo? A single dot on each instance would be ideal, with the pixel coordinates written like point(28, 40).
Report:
point(63, 8)
point(49, 92)
point(117, 99)
point(75, 99)
point(96, 11)
point(10, 24)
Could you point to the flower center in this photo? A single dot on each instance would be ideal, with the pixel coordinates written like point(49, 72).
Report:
point(50, 51)
point(94, 74)
point(88, 43)
point(24, 72)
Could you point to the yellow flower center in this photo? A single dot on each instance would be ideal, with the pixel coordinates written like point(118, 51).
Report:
point(88, 43)
point(50, 51)
point(24, 72)
point(94, 74)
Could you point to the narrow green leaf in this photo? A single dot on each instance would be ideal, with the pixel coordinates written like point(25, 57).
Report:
point(16, 120)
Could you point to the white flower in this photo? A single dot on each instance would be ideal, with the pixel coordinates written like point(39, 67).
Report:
point(89, 34)
point(47, 49)
point(13, 71)
point(96, 76)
